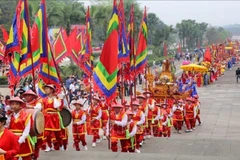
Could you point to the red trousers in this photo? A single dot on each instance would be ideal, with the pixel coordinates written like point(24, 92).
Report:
point(114, 145)
point(95, 135)
point(189, 123)
point(57, 134)
point(79, 138)
point(139, 139)
point(156, 131)
point(130, 148)
point(177, 124)
point(38, 146)
point(148, 128)
point(165, 131)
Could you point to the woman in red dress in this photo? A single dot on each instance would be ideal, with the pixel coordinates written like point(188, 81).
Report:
point(9, 146)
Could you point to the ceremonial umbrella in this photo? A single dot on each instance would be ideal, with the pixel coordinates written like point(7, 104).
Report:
point(185, 62)
point(194, 67)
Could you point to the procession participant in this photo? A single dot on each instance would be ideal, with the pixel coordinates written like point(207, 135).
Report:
point(156, 119)
point(149, 115)
point(7, 106)
point(198, 110)
point(9, 146)
point(95, 122)
point(170, 119)
point(165, 118)
point(19, 124)
point(118, 127)
point(143, 107)
point(105, 116)
point(199, 79)
point(131, 130)
point(139, 119)
point(189, 117)
point(33, 102)
point(177, 111)
point(127, 106)
point(79, 125)
point(51, 108)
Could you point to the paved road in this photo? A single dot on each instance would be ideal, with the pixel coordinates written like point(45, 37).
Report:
point(218, 137)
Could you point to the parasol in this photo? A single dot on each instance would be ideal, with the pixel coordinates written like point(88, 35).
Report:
point(186, 62)
point(194, 67)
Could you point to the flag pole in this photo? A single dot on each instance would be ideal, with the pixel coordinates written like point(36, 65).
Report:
point(30, 47)
point(46, 35)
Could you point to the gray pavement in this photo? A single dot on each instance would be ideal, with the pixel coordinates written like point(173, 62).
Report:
point(217, 138)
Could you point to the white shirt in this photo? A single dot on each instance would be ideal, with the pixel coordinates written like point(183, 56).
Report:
point(56, 103)
point(72, 87)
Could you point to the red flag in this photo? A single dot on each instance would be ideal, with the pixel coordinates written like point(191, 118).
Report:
point(165, 50)
point(179, 48)
point(207, 55)
point(5, 34)
point(59, 46)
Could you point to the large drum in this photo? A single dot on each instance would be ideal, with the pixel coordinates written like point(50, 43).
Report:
point(66, 117)
point(37, 126)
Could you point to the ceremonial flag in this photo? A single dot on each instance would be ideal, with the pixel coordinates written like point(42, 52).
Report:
point(141, 54)
point(179, 48)
point(88, 38)
point(40, 90)
point(48, 71)
point(165, 49)
point(27, 60)
point(207, 55)
point(13, 42)
point(105, 73)
point(123, 55)
point(59, 46)
point(5, 34)
point(16, 44)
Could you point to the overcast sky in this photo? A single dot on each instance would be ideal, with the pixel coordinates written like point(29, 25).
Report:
point(216, 13)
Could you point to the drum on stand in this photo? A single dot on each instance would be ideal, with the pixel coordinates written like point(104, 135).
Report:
point(66, 117)
point(37, 118)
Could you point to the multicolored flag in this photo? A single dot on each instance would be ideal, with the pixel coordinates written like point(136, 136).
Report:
point(48, 69)
point(105, 73)
point(59, 46)
point(123, 55)
point(141, 54)
point(40, 90)
point(28, 61)
point(88, 38)
point(17, 47)
point(131, 40)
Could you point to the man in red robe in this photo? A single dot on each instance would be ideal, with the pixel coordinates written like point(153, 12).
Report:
point(20, 124)
point(118, 127)
point(9, 146)
point(34, 102)
point(51, 108)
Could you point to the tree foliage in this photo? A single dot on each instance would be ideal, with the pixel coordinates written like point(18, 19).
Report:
point(217, 35)
point(190, 33)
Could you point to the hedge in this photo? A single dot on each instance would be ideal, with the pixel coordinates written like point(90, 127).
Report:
point(3, 80)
